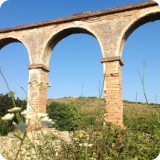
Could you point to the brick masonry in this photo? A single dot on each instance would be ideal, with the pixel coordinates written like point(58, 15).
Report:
point(113, 93)
point(110, 27)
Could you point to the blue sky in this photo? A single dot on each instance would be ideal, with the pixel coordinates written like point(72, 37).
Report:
point(69, 77)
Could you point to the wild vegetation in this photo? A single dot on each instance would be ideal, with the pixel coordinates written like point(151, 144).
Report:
point(6, 103)
point(89, 138)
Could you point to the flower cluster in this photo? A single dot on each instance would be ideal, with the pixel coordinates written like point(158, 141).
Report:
point(44, 119)
point(86, 144)
point(41, 118)
point(15, 112)
point(10, 116)
point(47, 121)
point(14, 109)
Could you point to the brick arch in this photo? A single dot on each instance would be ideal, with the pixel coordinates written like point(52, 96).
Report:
point(110, 27)
point(59, 36)
point(143, 19)
point(8, 40)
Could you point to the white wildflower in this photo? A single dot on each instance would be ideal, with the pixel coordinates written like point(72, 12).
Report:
point(41, 115)
point(8, 116)
point(76, 139)
point(92, 159)
point(2, 158)
point(86, 145)
point(14, 109)
point(29, 116)
point(47, 122)
point(14, 123)
point(80, 144)
point(24, 112)
point(56, 154)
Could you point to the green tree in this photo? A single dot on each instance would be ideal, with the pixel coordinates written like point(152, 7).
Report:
point(66, 117)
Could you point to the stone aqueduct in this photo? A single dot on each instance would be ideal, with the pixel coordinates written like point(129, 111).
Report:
point(110, 27)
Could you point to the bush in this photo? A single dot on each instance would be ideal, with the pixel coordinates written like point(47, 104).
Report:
point(111, 143)
point(5, 127)
point(5, 104)
point(66, 117)
point(142, 124)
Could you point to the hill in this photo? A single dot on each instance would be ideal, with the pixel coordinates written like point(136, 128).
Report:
point(93, 104)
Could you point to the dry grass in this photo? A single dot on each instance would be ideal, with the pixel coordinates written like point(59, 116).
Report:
point(92, 104)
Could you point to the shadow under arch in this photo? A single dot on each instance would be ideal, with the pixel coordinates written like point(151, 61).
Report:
point(6, 41)
point(151, 17)
point(61, 35)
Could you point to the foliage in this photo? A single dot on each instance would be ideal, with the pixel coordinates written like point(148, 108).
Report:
point(111, 143)
point(5, 127)
point(66, 117)
point(138, 140)
point(142, 125)
point(6, 104)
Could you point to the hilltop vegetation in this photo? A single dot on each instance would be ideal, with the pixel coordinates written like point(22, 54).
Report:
point(91, 140)
point(93, 104)
point(140, 139)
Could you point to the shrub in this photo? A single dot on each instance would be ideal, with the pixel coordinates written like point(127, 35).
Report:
point(66, 117)
point(5, 127)
point(5, 104)
point(111, 143)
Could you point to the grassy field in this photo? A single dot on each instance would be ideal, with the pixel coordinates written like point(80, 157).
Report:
point(89, 139)
point(139, 140)
point(92, 104)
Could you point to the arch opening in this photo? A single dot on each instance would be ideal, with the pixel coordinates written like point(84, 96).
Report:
point(76, 64)
point(14, 61)
point(142, 59)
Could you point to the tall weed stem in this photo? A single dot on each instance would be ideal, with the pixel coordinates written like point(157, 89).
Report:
point(145, 96)
point(11, 93)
